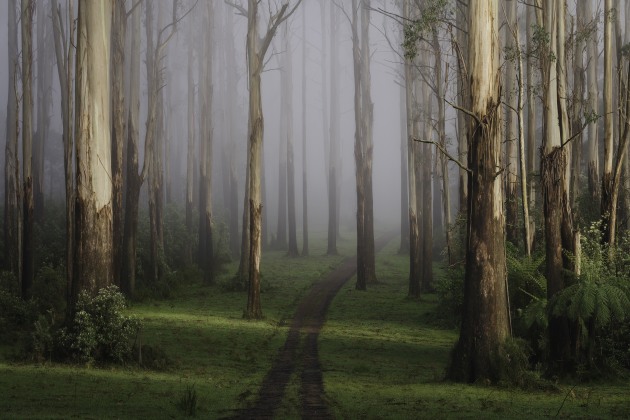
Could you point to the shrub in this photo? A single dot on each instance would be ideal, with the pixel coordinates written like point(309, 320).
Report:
point(188, 401)
point(99, 330)
point(450, 292)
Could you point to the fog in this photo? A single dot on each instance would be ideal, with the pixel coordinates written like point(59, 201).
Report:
point(385, 96)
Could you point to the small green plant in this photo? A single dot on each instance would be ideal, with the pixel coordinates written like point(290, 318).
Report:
point(99, 330)
point(188, 401)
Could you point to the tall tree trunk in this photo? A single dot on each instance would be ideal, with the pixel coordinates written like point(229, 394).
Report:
point(256, 51)
point(119, 29)
point(28, 258)
point(607, 177)
point(594, 184)
point(404, 193)
point(93, 247)
point(288, 82)
point(554, 161)
point(485, 324)
point(12, 216)
point(305, 250)
point(531, 126)
point(206, 144)
point(511, 133)
point(134, 179)
point(462, 100)
point(44, 101)
point(363, 148)
point(65, 68)
point(190, 156)
point(442, 162)
point(333, 134)
point(412, 133)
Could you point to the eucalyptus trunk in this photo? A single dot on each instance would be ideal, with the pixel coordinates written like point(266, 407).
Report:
point(28, 257)
point(93, 267)
point(485, 324)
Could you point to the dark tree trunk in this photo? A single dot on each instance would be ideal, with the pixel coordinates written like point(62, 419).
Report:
point(485, 319)
point(28, 257)
point(119, 25)
point(12, 217)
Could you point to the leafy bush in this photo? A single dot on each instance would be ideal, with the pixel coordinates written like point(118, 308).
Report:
point(99, 330)
point(16, 315)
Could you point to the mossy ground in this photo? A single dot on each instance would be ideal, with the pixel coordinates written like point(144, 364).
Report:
point(382, 355)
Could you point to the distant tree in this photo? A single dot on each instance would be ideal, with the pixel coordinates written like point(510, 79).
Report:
point(485, 321)
point(287, 89)
point(12, 216)
point(305, 250)
point(63, 33)
point(28, 257)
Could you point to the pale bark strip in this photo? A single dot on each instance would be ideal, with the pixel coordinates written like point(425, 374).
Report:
point(485, 324)
point(93, 247)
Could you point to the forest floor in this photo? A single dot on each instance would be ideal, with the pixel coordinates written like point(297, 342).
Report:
point(307, 323)
point(379, 355)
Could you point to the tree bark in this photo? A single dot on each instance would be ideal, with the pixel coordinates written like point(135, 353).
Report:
point(28, 257)
point(119, 29)
point(134, 179)
point(485, 324)
point(554, 181)
point(305, 250)
point(12, 216)
point(607, 177)
point(93, 215)
point(288, 86)
point(45, 58)
point(594, 182)
point(65, 63)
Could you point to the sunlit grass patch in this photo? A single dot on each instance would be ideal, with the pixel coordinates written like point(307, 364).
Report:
point(383, 357)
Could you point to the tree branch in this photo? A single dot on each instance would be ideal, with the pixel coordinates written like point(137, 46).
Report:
point(445, 153)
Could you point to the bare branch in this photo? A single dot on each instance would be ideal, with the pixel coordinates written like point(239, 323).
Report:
point(465, 111)
point(445, 153)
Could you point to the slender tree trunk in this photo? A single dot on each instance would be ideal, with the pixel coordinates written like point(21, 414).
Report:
point(12, 216)
point(333, 135)
point(404, 193)
point(45, 53)
point(65, 67)
point(206, 143)
point(93, 247)
point(119, 29)
point(305, 250)
point(462, 100)
point(485, 324)
point(190, 156)
point(288, 81)
point(531, 127)
point(28, 258)
point(134, 179)
point(412, 133)
point(511, 133)
point(554, 161)
point(607, 177)
point(594, 184)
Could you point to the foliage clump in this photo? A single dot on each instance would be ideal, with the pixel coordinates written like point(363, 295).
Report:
point(99, 330)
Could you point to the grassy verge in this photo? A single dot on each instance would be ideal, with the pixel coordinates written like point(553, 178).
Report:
point(201, 331)
point(383, 358)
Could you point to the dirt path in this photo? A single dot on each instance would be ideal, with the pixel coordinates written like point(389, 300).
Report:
point(308, 320)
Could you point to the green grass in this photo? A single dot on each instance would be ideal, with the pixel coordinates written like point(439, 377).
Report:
point(203, 334)
point(383, 358)
point(381, 353)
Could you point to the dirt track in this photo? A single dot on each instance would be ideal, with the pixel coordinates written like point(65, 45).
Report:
point(308, 320)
